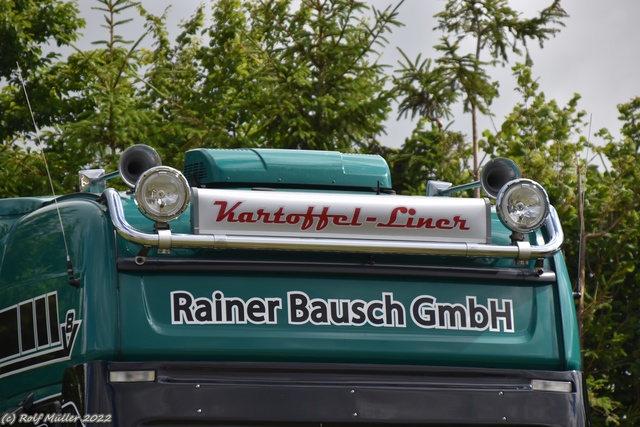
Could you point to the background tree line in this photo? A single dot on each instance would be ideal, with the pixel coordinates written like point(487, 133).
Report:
point(283, 74)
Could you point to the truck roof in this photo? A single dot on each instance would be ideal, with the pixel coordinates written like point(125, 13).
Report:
point(21, 205)
point(285, 168)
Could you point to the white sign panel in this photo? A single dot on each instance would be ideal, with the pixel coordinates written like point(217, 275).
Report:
point(331, 215)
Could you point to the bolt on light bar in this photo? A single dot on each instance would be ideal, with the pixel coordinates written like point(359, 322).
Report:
point(227, 241)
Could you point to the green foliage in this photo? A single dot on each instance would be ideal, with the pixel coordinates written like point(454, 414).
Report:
point(271, 76)
point(28, 166)
point(498, 28)
point(612, 323)
point(112, 119)
point(546, 141)
point(172, 88)
point(543, 138)
point(200, 90)
point(264, 73)
point(467, 75)
point(26, 25)
point(430, 153)
point(87, 106)
point(494, 27)
point(323, 87)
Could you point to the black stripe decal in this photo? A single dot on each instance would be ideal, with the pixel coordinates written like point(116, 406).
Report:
point(27, 328)
point(31, 334)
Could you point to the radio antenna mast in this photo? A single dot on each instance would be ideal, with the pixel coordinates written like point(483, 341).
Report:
point(72, 280)
point(582, 243)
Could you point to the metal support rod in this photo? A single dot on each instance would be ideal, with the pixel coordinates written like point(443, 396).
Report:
point(456, 188)
point(223, 241)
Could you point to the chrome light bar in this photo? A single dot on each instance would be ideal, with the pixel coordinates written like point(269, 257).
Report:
point(165, 239)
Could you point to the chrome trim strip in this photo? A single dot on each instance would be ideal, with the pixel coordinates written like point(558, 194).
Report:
point(556, 238)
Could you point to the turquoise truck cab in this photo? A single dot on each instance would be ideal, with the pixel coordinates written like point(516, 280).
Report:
point(264, 287)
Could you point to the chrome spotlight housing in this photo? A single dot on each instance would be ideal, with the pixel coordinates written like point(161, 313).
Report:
point(522, 205)
point(162, 193)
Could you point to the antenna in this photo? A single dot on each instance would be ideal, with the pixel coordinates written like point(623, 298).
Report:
point(72, 280)
point(582, 244)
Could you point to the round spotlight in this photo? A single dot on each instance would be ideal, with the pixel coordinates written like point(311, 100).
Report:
point(522, 205)
point(162, 193)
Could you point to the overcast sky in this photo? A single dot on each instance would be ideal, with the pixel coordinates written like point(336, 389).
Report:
point(595, 55)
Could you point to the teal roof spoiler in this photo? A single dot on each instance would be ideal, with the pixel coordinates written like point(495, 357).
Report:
point(286, 168)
